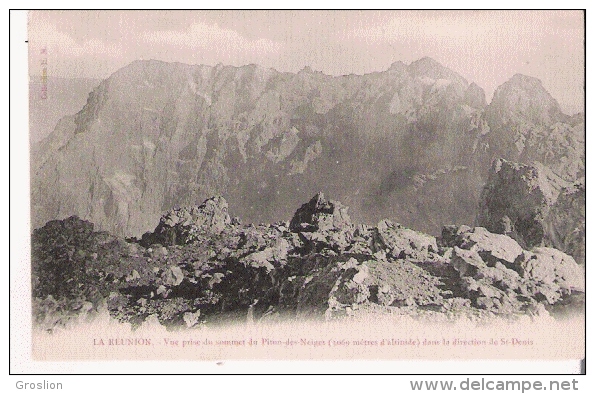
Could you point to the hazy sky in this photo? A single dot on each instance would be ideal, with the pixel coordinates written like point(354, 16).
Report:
point(486, 47)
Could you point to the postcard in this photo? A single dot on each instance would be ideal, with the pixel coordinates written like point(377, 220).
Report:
point(307, 185)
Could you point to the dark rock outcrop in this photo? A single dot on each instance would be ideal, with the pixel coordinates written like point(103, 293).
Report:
point(535, 207)
point(565, 222)
point(320, 215)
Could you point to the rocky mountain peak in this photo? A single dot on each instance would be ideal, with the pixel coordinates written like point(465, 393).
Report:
point(398, 66)
point(306, 70)
point(430, 68)
point(475, 96)
point(155, 135)
point(526, 124)
point(426, 63)
point(525, 81)
point(523, 98)
point(577, 118)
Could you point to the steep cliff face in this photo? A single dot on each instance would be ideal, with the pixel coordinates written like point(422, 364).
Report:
point(535, 207)
point(411, 143)
point(566, 221)
point(157, 135)
point(50, 99)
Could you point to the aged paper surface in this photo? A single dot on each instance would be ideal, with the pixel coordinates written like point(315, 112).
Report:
point(292, 185)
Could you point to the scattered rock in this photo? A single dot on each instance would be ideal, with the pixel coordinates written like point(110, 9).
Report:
point(491, 247)
point(173, 276)
point(191, 319)
point(319, 265)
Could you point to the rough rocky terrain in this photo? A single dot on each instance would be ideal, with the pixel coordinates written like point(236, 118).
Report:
point(414, 143)
point(201, 267)
point(535, 207)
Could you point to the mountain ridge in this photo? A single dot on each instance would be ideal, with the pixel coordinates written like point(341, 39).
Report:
point(364, 139)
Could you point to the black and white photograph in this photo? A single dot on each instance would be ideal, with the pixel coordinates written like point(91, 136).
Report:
point(307, 185)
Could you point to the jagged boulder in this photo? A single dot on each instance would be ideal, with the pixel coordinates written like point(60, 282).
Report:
point(491, 247)
point(173, 276)
point(498, 275)
point(492, 287)
point(320, 215)
point(270, 257)
point(553, 268)
point(404, 243)
point(183, 225)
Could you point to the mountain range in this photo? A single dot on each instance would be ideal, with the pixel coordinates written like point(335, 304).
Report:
point(414, 143)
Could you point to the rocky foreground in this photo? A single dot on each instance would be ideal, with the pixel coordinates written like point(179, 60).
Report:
point(200, 266)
